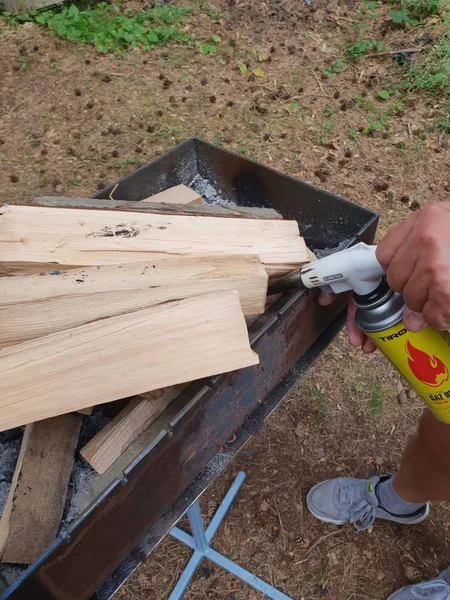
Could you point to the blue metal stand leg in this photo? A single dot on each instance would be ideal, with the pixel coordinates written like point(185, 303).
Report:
point(198, 530)
point(186, 575)
point(199, 542)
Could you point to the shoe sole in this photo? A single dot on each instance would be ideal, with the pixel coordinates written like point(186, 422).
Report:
point(340, 522)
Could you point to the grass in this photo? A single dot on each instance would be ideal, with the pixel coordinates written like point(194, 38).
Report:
point(442, 123)
point(428, 71)
point(319, 397)
point(109, 27)
point(421, 8)
point(414, 12)
point(431, 73)
point(376, 400)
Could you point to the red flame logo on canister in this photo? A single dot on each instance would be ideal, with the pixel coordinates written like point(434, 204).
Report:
point(430, 370)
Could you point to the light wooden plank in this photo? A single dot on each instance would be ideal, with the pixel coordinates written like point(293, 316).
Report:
point(36, 305)
point(206, 210)
point(179, 194)
point(5, 521)
point(92, 237)
point(123, 356)
point(109, 444)
point(42, 480)
point(98, 483)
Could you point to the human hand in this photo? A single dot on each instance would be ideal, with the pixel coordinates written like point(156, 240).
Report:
point(356, 337)
point(415, 255)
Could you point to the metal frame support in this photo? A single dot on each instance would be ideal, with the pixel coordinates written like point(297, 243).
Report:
point(199, 542)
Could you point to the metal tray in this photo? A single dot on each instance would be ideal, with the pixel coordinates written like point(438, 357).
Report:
point(97, 552)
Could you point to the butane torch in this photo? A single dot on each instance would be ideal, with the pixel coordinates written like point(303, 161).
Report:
point(422, 358)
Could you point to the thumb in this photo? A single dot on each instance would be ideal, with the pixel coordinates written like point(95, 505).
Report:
point(413, 321)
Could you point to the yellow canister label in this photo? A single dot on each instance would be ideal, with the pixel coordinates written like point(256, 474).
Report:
point(423, 359)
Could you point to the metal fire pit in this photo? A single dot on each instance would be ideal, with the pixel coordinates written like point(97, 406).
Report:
point(94, 555)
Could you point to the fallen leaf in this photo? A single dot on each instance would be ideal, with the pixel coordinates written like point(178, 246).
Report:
point(258, 72)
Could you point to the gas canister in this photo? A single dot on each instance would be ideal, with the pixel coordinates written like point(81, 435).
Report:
point(422, 358)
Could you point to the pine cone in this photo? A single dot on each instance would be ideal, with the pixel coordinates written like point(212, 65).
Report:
point(412, 573)
point(211, 508)
point(301, 543)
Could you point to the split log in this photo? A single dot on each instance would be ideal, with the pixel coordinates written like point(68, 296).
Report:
point(36, 500)
point(35, 306)
point(163, 208)
point(123, 356)
point(96, 237)
point(106, 447)
point(179, 194)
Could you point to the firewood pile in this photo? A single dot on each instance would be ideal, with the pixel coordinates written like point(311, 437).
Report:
point(103, 300)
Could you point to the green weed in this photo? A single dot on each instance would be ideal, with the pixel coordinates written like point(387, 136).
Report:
point(24, 61)
point(328, 126)
point(334, 69)
point(403, 17)
point(442, 123)
point(329, 111)
point(125, 162)
point(378, 119)
point(258, 72)
point(377, 400)
point(359, 49)
point(247, 151)
point(292, 107)
point(296, 76)
point(213, 13)
point(109, 27)
point(420, 9)
point(206, 49)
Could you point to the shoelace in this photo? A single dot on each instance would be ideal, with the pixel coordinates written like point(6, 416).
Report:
point(363, 514)
point(441, 590)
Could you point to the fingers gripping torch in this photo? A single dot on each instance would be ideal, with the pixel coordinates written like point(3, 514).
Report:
point(422, 358)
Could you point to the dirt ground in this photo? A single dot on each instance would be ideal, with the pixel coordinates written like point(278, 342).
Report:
point(72, 120)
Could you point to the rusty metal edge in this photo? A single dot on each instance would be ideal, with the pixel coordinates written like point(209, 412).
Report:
point(208, 475)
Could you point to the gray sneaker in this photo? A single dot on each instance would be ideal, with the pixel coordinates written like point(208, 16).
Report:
point(346, 500)
point(435, 589)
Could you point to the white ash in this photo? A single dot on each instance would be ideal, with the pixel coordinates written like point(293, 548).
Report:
point(322, 252)
point(81, 478)
point(82, 473)
point(8, 575)
point(9, 451)
point(208, 192)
